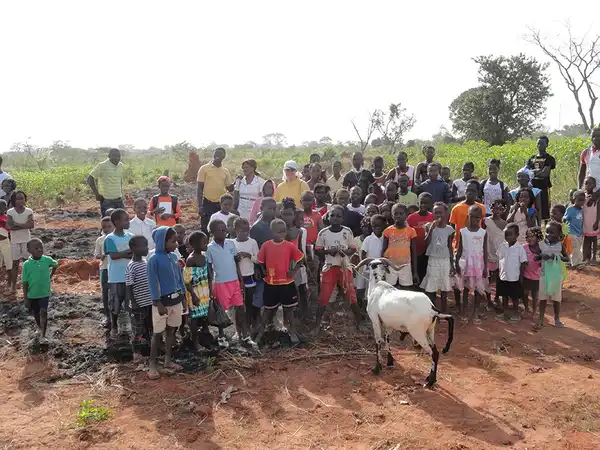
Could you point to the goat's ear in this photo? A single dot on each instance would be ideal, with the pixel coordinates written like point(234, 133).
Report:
point(387, 268)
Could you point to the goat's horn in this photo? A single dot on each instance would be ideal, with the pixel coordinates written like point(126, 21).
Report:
point(392, 265)
point(363, 262)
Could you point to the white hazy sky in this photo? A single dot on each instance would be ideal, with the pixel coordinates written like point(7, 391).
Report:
point(155, 73)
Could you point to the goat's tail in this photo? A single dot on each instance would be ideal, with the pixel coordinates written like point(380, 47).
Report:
point(450, 319)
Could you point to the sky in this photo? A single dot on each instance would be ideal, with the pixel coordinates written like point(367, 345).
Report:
point(155, 73)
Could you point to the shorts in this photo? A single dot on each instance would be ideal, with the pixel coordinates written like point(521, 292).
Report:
point(551, 298)
point(510, 289)
point(228, 294)
point(335, 276)
point(37, 304)
point(6, 254)
point(532, 286)
point(171, 319)
point(141, 324)
point(117, 297)
point(285, 295)
point(258, 297)
point(19, 251)
point(403, 277)
point(249, 281)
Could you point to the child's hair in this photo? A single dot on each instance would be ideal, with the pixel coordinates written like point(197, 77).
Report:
point(412, 209)
point(139, 200)
point(276, 222)
point(474, 208)
point(170, 233)
point(366, 222)
point(554, 223)
point(578, 193)
point(226, 197)
point(340, 207)
point(371, 206)
point(590, 178)
point(230, 221)
point(118, 214)
point(11, 182)
point(213, 225)
point(535, 231)
point(469, 165)
point(402, 153)
point(3, 202)
point(513, 226)
point(423, 195)
point(544, 138)
point(135, 240)
point(377, 159)
point(109, 212)
point(494, 162)
point(34, 241)
point(377, 218)
point(446, 168)
point(13, 196)
point(240, 222)
point(178, 227)
point(319, 186)
point(341, 191)
point(288, 203)
point(195, 237)
point(104, 220)
point(442, 205)
point(271, 182)
point(562, 208)
point(370, 197)
point(428, 147)
point(399, 206)
point(531, 196)
point(498, 202)
point(475, 183)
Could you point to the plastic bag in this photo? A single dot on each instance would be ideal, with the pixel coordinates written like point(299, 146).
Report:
point(553, 276)
point(217, 316)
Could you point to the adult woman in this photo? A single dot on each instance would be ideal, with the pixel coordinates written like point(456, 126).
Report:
point(292, 186)
point(247, 189)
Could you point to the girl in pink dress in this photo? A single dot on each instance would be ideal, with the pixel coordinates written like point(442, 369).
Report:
point(590, 223)
point(531, 276)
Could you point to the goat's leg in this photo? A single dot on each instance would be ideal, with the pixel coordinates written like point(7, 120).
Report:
point(435, 354)
point(403, 335)
point(422, 337)
point(378, 342)
point(390, 358)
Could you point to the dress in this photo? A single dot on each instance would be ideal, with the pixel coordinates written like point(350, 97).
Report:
point(198, 278)
point(589, 218)
point(437, 277)
point(471, 262)
point(495, 238)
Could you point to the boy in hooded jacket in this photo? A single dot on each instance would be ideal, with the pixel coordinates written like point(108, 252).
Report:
point(168, 294)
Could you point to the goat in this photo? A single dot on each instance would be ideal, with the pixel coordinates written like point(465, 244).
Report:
point(406, 311)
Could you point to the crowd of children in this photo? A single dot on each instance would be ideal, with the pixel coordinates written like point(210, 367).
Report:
point(465, 236)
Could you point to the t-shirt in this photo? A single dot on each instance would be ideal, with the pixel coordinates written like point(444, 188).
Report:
point(36, 273)
point(216, 181)
point(398, 250)
point(410, 198)
point(438, 244)
point(136, 275)
point(167, 203)
point(277, 257)
point(222, 259)
point(292, 189)
point(533, 269)
point(19, 236)
point(396, 173)
point(591, 158)
point(514, 192)
point(359, 209)
point(339, 239)
point(335, 185)
point(461, 187)
point(459, 217)
point(247, 264)
point(418, 222)
point(311, 225)
point(362, 178)
point(261, 232)
point(113, 243)
point(539, 162)
point(492, 192)
point(510, 258)
point(574, 219)
point(99, 252)
point(438, 189)
point(220, 216)
point(109, 178)
point(372, 246)
point(143, 228)
point(3, 176)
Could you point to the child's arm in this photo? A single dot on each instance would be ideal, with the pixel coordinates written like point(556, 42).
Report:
point(563, 254)
point(459, 251)
point(25, 290)
point(210, 281)
point(522, 273)
point(428, 232)
point(597, 217)
point(154, 287)
point(413, 260)
point(447, 194)
point(513, 212)
point(386, 243)
point(129, 295)
point(531, 220)
point(485, 255)
point(538, 210)
point(12, 225)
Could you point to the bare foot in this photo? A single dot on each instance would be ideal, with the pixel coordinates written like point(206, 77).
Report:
point(153, 374)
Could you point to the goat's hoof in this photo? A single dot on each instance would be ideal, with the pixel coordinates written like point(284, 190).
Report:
point(377, 369)
point(429, 383)
point(445, 350)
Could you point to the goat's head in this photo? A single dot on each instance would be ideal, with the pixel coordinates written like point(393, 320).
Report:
point(378, 267)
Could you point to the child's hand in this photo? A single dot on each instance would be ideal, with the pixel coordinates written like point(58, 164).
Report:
point(244, 255)
point(596, 225)
point(332, 251)
point(162, 310)
point(30, 221)
point(457, 269)
point(416, 279)
point(538, 257)
point(195, 299)
point(159, 211)
point(165, 216)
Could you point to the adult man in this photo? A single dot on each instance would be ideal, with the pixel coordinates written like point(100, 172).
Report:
point(3, 176)
point(106, 182)
point(590, 163)
point(214, 180)
point(358, 176)
point(542, 165)
point(292, 186)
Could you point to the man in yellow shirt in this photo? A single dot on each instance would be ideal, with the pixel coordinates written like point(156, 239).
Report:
point(106, 182)
point(292, 186)
point(214, 180)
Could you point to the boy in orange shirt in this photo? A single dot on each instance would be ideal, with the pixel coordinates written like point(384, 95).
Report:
point(400, 247)
point(460, 212)
point(164, 206)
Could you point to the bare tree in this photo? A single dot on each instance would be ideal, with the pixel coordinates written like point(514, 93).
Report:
point(364, 141)
point(577, 60)
point(393, 124)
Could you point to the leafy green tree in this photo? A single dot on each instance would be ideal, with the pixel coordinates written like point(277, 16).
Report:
point(507, 104)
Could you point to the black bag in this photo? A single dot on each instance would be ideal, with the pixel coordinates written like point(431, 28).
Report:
point(217, 316)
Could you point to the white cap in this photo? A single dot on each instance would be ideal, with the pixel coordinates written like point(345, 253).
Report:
point(290, 165)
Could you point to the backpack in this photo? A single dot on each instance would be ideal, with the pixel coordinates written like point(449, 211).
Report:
point(174, 201)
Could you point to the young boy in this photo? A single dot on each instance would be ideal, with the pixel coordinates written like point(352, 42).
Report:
point(246, 257)
point(356, 197)
point(438, 188)
point(512, 261)
point(399, 247)
point(141, 225)
point(460, 212)
point(574, 219)
point(225, 211)
point(351, 219)
point(164, 206)
point(418, 221)
point(335, 181)
point(5, 254)
point(378, 166)
point(280, 259)
point(358, 176)
point(36, 278)
point(138, 296)
point(313, 223)
point(182, 249)
point(116, 246)
point(261, 233)
point(445, 174)
point(372, 247)
point(107, 228)
point(405, 196)
point(320, 204)
point(335, 245)
point(167, 292)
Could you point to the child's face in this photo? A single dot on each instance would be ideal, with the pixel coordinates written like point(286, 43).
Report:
point(336, 216)
point(580, 200)
point(343, 198)
point(141, 209)
point(315, 173)
point(268, 209)
point(3, 208)
point(268, 189)
point(200, 245)
point(471, 193)
point(439, 213)
point(320, 194)
point(391, 191)
point(429, 153)
point(36, 249)
point(552, 233)
point(493, 170)
point(556, 214)
point(401, 160)
point(171, 242)
point(370, 199)
point(510, 235)
point(226, 205)
point(288, 215)
point(306, 172)
point(219, 232)
point(523, 179)
point(378, 228)
point(242, 232)
point(107, 227)
point(19, 201)
point(524, 198)
point(299, 219)
point(386, 211)
point(371, 209)
point(7, 186)
point(378, 166)
point(531, 239)
point(410, 209)
point(402, 183)
point(123, 222)
point(474, 217)
point(164, 187)
point(180, 231)
point(140, 248)
point(279, 232)
point(399, 216)
point(365, 229)
point(445, 174)
point(355, 195)
point(590, 185)
point(337, 168)
point(425, 204)
point(467, 173)
point(433, 172)
point(497, 210)
point(357, 160)
point(308, 200)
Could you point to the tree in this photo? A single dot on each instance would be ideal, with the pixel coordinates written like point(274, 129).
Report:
point(366, 137)
point(126, 147)
point(325, 141)
point(275, 140)
point(573, 130)
point(577, 60)
point(40, 156)
point(181, 150)
point(393, 124)
point(508, 102)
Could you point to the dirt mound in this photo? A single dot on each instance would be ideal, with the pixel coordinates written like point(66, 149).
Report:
point(191, 173)
point(77, 270)
point(68, 243)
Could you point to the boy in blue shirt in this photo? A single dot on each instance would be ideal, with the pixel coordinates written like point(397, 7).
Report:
point(574, 220)
point(116, 247)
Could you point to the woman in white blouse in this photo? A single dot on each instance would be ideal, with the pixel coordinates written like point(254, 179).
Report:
point(248, 188)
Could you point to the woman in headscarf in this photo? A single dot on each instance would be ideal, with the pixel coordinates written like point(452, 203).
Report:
point(247, 189)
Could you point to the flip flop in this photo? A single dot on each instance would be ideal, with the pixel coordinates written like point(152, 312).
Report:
point(153, 375)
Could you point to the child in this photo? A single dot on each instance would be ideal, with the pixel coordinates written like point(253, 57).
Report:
point(378, 165)
point(459, 186)
point(512, 261)
point(402, 169)
point(36, 278)
point(164, 207)
point(5, 254)
point(141, 225)
point(591, 216)
point(296, 235)
point(116, 247)
point(471, 263)
point(261, 233)
point(356, 196)
point(411, 209)
point(281, 260)
point(460, 212)
point(531, 276)
point(306, 172)
point(313, 223)
point(418, 221)
point(492, 188)
point(551, 249)
point(439, 190)
point(557, 213)
point(334, 244)
point(399, 246)
point(352, 219)
point(523, 214)
point(8, 186)
point(440, 264)
point(225, 211)
point(197, 280)
point(421, 172)
point(445, 174)
point(391, 191)
point(230, 226)
point(385, 209)
point(167, 291)
point(316, 175)
point(494, 226)
point(268, 190)
point(371, 209)
point(246, 257)
point(138, 296)
point(360, 283)
point(182, 249)
point(228, 280)
point(524, 181)
point(574, 220)
point(377, 190)
point(107, 228)
point(19, 222)
point(320, 205)
point(372, 247)
point(335, 181)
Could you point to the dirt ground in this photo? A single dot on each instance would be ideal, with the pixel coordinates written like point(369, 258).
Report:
point(500, 386)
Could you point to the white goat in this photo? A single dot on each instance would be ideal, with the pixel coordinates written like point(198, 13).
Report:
point(406, 311)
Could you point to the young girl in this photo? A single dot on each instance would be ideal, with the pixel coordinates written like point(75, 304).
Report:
point(225, 212)
point(385, 209)
point(523, 214)
point(440, 265)
point(403, 194)
point(268, 190)
point(524, 180)
point(471, 263)
point(371, 209)
point(197, 279)
point(493, 188)
point(402, 169)
point(19, 222)
point(400, 247)
point(494, 226)
point(591, 216)
point(531, 277)
point(378, 165)
point(551, 249)
point(321, 206)
point(459, 186)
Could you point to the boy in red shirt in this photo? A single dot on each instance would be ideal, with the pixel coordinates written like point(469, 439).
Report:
point(281, 260)
point(313, 223)
point(164, 206)
point(417, 221)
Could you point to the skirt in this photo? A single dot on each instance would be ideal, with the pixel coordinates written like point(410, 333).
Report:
point(437, 277)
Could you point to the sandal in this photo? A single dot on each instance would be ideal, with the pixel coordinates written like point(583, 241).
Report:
point(559, 324)
point(153, 374)
point(476, 321)
point(464, 319)
point(538, 326)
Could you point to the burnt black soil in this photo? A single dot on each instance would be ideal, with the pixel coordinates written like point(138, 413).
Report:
point(68, 243)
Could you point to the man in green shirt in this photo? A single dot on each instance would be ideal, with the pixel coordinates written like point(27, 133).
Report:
point(106, 182)
point(36, 276)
